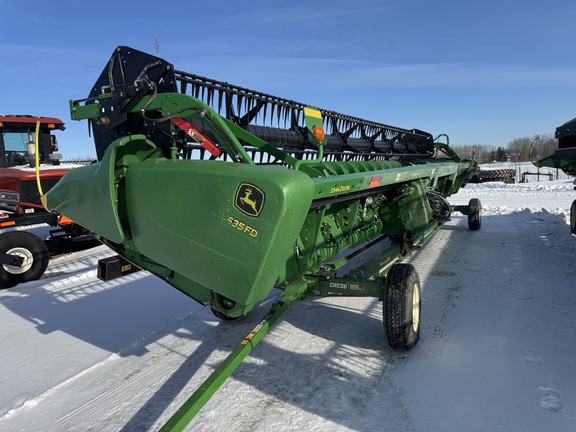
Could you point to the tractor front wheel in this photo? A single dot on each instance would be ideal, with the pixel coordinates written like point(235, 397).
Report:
point(31, 249)
point(401, 306)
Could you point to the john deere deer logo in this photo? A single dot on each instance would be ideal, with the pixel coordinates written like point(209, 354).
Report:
point(249, 199)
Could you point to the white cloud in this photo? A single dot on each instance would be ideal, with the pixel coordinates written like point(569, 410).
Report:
point(468, 75)
point(357, 73)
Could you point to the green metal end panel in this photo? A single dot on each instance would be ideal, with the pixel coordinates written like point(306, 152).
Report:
point(561, 160)
point(88, 195)
point(227, 227)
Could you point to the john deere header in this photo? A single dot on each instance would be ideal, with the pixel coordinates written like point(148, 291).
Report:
point(196, 190)
point(226, 192)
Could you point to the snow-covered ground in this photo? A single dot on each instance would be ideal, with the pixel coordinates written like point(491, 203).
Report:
point(497, 349)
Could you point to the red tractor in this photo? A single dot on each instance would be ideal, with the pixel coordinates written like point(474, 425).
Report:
point(24, 176)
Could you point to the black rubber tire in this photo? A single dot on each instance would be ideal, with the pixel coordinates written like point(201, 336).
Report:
point(474, 179)
point(573, 217)
point(29, 247)
point(496, 175)
point(474, 214)
point(401, 308)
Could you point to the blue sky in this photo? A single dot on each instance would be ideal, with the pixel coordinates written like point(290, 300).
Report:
point(483, 72)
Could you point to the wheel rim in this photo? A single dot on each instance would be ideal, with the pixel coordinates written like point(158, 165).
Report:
point(26, 264)
point(415, 307)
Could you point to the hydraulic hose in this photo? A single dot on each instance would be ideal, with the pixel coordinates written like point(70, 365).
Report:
point(38, 160)
point(37, 164)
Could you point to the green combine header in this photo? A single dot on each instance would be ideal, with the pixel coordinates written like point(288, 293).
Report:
point(226, 193)
point(564, 158)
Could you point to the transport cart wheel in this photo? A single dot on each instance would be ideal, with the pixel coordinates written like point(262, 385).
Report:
point(29, 247)
point(573, 217)
point(474, 214)
point(401, 307)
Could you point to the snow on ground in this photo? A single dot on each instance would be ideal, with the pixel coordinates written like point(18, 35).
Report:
point(497, 349)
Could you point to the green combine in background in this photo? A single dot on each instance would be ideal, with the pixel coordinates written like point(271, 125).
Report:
point(564, 158)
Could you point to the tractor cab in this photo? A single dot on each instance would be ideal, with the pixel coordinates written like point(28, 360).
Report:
point(18, 139)
point(18, 146)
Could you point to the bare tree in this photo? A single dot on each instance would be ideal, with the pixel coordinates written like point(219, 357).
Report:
point(481, 153)
point(523, 149)
point(542, 146)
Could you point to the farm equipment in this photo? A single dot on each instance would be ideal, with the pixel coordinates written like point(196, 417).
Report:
point(25, 140)
point(505, 175)
point(564, 158)
point(226, 193)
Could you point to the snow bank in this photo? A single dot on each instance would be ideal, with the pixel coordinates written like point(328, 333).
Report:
point(497, 350)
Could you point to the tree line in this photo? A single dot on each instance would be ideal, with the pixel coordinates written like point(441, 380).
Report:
point(518, 150)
